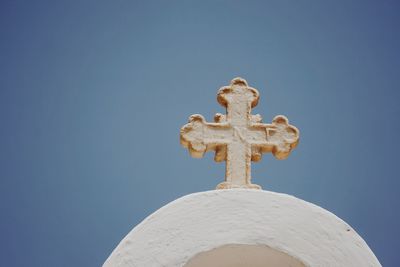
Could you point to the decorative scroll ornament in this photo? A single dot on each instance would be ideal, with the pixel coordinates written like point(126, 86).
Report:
point(238, 137)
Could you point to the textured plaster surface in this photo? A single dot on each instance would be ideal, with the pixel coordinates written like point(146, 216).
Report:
point(208, 220)
point(238, 137)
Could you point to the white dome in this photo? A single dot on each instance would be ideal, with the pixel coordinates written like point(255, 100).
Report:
point(242, 227)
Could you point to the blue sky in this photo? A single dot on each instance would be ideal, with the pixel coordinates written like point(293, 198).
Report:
point(93, 94)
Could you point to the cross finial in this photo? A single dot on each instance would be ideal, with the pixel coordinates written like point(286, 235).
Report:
point(238, 137)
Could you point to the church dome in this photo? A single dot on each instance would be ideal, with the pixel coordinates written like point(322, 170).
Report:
point(242, 227)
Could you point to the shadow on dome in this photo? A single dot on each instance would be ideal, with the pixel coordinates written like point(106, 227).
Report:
point(238, 255)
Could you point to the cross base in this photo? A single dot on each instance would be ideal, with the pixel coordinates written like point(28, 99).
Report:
point(229, 185)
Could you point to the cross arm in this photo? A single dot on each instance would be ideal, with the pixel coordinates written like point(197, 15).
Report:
point(200, 136)
point(279, 138)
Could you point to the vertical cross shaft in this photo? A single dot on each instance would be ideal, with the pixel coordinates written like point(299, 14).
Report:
point(238, 106)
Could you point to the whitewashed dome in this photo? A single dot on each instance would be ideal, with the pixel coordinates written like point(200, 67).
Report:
point(242, 227)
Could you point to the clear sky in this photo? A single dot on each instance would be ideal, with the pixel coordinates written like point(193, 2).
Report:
point(93, 94)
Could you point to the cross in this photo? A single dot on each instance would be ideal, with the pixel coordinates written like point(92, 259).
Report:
point(238, 137)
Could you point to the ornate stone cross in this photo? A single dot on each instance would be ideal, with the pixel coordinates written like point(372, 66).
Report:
point(238, 137)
